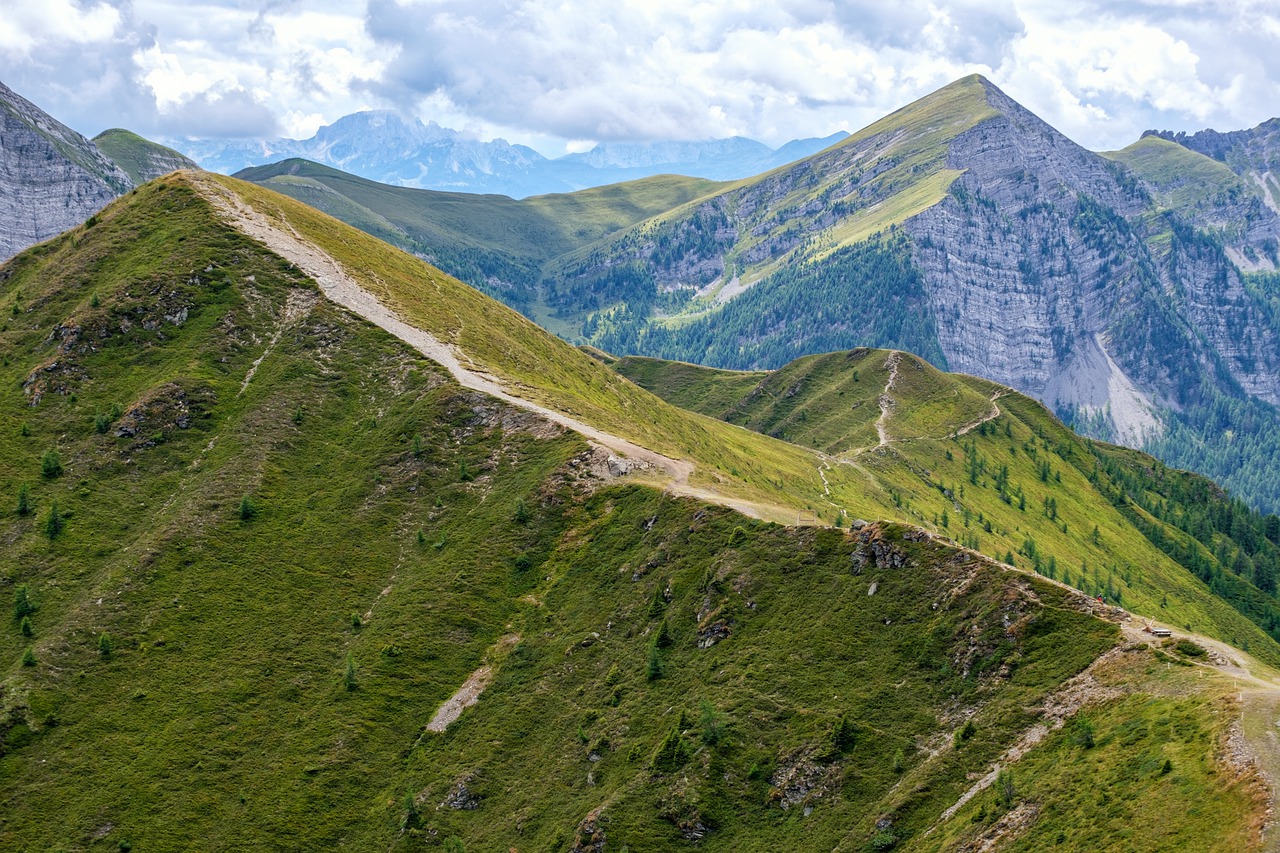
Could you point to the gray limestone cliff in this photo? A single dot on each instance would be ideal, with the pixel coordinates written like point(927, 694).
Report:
point(1097, 284)
point(51, 177)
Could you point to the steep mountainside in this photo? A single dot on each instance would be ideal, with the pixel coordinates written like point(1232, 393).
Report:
point(984, 464)
point(1252, 154)
point(383, 146)
point(140, 158)
point(496, 243)
point(51, 177)
point(307, 549)
point(1027, 259)
point(964, 229)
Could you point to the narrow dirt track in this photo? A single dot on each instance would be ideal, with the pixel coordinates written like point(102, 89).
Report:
point(343, 290)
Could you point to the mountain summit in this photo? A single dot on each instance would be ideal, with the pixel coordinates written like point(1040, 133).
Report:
point(961, 227)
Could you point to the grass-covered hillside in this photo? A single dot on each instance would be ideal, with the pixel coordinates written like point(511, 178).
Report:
point(140, 158)
point(493, 242)
point(253, 544)
point(993, 470)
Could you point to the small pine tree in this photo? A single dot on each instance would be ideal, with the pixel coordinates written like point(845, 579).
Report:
point(464, 472)
point(422, 537)
point(349, 676)
point(247, 509)
point(653, 665)
point(844, 734)
point(711, 723)
point(522, 512)
point(105, 645)
point(1006, 792)
point(356, 622)
point(51, 464)
point(946, 520)
point(662, 639)
point(101, 423)
point(24, 500)
point(28, 657)
point(657, 604)
point(672, 753)
point(899, 761)
point(23, 606)
point(1083, 735)
point(417, 446)
point(53, 522)
point(25, 627)
point(297, 416)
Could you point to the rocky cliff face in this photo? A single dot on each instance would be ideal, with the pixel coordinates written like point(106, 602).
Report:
point(1047, 267)
point(51, 177)
point(1045, 274)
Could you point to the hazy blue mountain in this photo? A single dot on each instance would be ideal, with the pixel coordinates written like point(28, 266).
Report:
point(384, 146)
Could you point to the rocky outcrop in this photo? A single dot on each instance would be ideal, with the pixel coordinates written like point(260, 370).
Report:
point(51, 177)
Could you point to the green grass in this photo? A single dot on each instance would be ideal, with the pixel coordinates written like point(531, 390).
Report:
point(534, 228)
point(1086, 799)
point(1183, 179)
point(776, 476)
point(829, 402)
point(241, 706)
point(140, 158)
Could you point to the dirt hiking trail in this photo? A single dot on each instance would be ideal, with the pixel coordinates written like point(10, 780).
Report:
point(343, 290)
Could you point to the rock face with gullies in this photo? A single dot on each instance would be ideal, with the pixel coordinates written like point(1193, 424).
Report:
point(1039, 264)
point(1045, 274)
point(51, 177)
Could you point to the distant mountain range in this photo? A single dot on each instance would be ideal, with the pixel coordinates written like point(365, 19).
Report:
point(385, 147)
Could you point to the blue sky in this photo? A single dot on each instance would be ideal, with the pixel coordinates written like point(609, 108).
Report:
point(564, 74)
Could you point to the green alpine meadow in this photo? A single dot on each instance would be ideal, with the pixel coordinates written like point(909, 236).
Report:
point(312, 546)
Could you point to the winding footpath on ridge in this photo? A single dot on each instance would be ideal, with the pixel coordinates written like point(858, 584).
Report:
point(341, 289)
point(1259, 696)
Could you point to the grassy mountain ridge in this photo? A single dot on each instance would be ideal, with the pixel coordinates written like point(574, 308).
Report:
point(492, 242)
point(1122, 290)
point(273, 539)
point(140, 158)
point(777, 477)
point(992, 469)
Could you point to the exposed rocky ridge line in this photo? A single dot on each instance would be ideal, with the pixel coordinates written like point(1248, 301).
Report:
point(51, 178)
